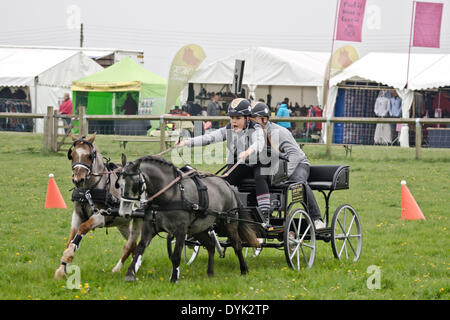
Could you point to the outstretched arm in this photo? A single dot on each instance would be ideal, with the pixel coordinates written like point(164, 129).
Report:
point(209, 138)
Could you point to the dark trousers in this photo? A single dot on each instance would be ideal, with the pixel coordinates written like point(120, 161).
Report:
point(67, 120)
point(301, 174)
point(243, 171)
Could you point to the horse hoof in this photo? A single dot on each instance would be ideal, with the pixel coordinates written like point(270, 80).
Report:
point(117, 268)
point(130, 278)
point(60, 273)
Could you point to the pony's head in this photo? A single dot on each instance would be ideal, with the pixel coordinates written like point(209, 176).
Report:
point(83, 155)
point(132, 185)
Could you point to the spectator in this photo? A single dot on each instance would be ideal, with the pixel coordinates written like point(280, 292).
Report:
point(130, 106)
point(213, 110)
point(318, 113)
point(66, 108)
point(283, 111)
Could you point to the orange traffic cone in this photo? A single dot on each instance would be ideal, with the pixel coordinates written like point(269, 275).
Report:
point(410, 208)
point(54, 198)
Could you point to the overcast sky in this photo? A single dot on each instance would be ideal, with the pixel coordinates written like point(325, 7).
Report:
point(221, 28)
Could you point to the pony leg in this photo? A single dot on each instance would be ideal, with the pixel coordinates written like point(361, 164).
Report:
point(237, 246)
point(131, 244)
point(148, 232)
point(68, 255)
point(180, 235)
point(209, 244)
point(76, 221)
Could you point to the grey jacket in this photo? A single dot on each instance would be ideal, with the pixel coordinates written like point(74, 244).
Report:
point(251, 137)
point(283, 141)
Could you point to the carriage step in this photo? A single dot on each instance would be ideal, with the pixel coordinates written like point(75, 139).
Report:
point(324, 231)
point(324, 234)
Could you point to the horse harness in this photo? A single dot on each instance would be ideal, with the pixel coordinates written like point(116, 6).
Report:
point(201, 208)
point(93, 194)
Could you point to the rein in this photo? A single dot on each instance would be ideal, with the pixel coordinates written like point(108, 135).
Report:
point(185, 175)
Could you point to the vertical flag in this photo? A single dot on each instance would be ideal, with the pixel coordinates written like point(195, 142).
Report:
point(348, 23)
point(350, 20)
point(185, 62)
point(427, 24)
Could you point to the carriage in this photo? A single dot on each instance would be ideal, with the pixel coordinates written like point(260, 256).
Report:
point(290, 226)
point(292, 230)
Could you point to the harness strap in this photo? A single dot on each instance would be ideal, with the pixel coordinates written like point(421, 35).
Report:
point(203, 198)
point(83, 165)
point(170, 185)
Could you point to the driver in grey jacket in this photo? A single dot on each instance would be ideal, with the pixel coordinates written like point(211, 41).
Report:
point(245, 142)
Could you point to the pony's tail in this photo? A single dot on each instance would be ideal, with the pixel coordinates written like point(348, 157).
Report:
point(248, 232)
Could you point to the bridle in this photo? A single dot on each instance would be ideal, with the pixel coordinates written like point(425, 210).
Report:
point(92, 156)
point(142, 186)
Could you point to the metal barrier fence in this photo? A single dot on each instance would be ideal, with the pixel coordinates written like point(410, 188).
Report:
point(423, 132)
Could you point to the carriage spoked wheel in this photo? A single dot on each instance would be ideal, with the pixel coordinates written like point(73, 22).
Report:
point(346, 234)
point(299, 240)
point(190, 250)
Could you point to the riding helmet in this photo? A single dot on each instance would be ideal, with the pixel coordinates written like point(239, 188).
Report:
point(260, 109)
point(239, 107)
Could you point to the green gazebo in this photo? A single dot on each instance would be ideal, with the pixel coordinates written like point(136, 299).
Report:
point(105, 92)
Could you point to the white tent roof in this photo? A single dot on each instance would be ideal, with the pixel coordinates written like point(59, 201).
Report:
point(19, 66)
point(268, 66)
point(425, 70)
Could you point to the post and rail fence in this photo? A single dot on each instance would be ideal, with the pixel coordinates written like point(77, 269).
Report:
point(52, 126)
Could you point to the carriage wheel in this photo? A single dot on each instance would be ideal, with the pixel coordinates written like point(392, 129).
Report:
point(346, 235)
point(190, 249)
point(299, 240)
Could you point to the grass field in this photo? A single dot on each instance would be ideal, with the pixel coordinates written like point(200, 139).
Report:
point(413, 256)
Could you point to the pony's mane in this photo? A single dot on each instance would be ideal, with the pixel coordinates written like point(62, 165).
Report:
point(157, 159)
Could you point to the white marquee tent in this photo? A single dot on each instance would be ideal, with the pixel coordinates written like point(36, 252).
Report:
point(426, 71)
point(47, 73)
point(269, 67)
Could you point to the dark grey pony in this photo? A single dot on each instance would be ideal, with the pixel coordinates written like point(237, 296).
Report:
point(166, 213)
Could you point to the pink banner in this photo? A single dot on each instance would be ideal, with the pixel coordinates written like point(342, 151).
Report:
point(427, 24)
point(350, 20)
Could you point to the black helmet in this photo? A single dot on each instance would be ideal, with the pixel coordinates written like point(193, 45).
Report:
point(239, 107)
point(260, 109)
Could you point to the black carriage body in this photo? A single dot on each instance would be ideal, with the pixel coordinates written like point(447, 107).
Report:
point(284, 195)
point(292, 228)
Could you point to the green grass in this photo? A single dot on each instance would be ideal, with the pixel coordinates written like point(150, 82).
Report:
point(412, 255)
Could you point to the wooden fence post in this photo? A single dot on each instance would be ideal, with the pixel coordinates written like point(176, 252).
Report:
point(82, 122)
point(48, 129)
point(55, 131)
point(329, 125)
point(418, 138)
point(162, 135)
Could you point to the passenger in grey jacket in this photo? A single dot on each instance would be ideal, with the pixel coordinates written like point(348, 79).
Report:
point(281, 141)
point(245, 142)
